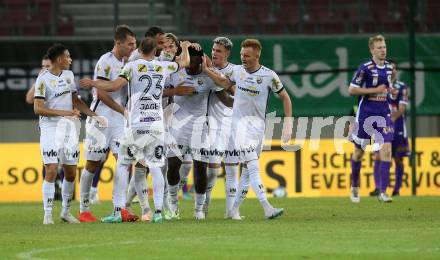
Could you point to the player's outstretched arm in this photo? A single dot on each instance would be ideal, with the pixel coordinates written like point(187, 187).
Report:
point(81, 106)
point(41, 110)
point(105, 85)
point(218, 78)
point(357, 91)
point(288, 124)
point(179, 91)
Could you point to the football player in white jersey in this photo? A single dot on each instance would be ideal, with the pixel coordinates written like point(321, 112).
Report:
point(219, 121)
point(189, 131)
point(254, 83)
point(55, 98)
point(111, 105)
point(143, 141)
point(138, 184)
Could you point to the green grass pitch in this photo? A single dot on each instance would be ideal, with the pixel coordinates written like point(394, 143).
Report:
point(311, 228)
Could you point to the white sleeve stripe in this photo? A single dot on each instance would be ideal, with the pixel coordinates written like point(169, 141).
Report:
point(354, 85)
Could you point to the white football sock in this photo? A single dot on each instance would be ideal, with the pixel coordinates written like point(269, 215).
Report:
point(255, 179)
point(67, 194)
point(242, 190)
point(184, 170)
point(212, 178)
point(230, 185)
point(85, 184)
point(120, 185)
point(173, 196)
point(140, 184)
point(131, 191)
point(48, 196)
point(158, 187)
point(199, 201)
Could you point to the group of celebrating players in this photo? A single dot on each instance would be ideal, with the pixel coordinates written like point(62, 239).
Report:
point(161, 109)
point(166, 107)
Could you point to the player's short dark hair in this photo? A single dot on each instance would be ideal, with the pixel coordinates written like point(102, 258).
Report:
point(147, 45)
point(122, 31)
point(226, 42)
point(153, 31)
point(193, 52)
point(55, 51)
point(45, 57)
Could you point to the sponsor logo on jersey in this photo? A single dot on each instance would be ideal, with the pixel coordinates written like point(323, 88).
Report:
point(200, 81)
point(41, 89)
point(360, 77)
point(69, 81)
point(172, 67)
point(62, 93)
point(158, 68)
point(259, 80)
point(142, 68)
point(250, 90)
point(149, 119)
point(107, 71)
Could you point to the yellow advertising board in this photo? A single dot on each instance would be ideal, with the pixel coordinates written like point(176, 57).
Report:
point(315, 170)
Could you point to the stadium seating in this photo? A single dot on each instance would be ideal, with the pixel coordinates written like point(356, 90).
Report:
point(31, 18)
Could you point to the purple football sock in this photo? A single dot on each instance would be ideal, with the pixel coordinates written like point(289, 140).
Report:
point(384, 175)
point(399, 175)
point(355, 173)
point(376, 174)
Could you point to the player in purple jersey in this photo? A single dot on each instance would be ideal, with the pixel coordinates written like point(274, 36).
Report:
point(398, 101)
point(372, 82)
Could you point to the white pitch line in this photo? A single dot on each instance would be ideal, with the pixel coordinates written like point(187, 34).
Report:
point(29, 254)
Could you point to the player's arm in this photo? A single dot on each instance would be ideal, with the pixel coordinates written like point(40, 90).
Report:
point(30, 95)
point(105, 85)
point(184, 59)
point(225, 98)
point(108, 100)
point(81, 106)
point(218, 78)
point(180, 90)
point(288, 124)
point(403, 102)
point(41, 110)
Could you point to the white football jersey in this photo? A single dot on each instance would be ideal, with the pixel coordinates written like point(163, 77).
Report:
point(109, 67)
point(56, 91)
point(146, 81)
point(219, 113)
point(252, 96)
point(196, 105)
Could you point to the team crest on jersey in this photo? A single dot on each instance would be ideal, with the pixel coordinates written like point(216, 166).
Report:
point(171, 67)
point(53, 83)
point(259, 80)
point(142, 68)
point(69, 81)
point(107, 71)
point(242, 76)
point(41, 89)
point(158, 68)
point(199, 81)
point(375, 79)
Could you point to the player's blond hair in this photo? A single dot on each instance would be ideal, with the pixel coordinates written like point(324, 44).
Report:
point(252, 43)
point(373, 39)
